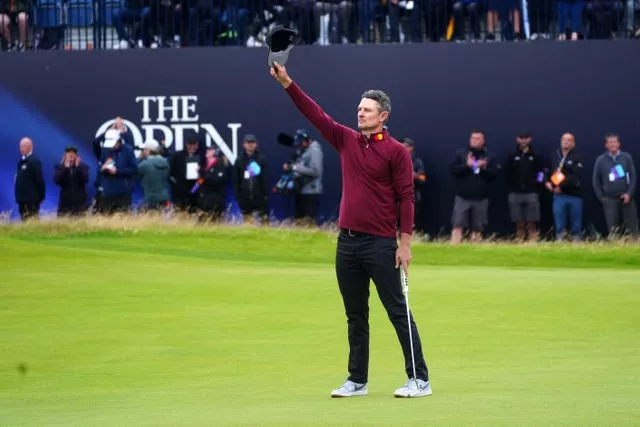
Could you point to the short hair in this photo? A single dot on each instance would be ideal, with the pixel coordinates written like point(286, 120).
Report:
point(71, 149)
point(480, 132)
point(612, 135)
point(383, 100)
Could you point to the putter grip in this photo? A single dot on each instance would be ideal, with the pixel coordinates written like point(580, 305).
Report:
point(404, 281)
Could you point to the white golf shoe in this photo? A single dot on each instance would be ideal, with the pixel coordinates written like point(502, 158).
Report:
point(411, 389)
point(349, 388)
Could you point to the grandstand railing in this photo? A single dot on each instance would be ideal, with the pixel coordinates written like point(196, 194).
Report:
point(119, 24)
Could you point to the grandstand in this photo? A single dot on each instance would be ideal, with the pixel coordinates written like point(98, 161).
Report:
point(111, 24)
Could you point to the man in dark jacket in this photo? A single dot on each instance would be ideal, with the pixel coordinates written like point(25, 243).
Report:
point(71, 175)
point(565, 182)
point(250, 180)
point(524, 177)
point(119, 167)
point(185, 167)
point(473, 170)
point(29, 183)
point(614, 182)
point(212, 185)
point(99, 147)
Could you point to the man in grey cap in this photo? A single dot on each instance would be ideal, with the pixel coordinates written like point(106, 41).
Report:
point(419, 179)
point(250, 180)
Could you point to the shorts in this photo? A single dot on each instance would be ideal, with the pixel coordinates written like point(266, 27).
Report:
point(470, 214)
point(13, 16)
point(524, 207)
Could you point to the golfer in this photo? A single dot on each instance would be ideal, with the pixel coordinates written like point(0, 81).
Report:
point(377, 184)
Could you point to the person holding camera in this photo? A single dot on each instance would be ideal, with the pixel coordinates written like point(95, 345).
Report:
point(307, 167)
point(72, 176)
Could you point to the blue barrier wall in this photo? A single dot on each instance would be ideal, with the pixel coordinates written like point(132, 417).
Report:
point(439, 93)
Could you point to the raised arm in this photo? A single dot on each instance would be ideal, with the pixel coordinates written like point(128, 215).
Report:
point(331, 130)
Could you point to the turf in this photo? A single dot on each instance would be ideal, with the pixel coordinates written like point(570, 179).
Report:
point(171, 326)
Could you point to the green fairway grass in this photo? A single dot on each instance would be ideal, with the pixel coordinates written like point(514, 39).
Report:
point(157, 324)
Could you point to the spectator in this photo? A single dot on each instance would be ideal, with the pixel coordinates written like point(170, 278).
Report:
point(136, 13)
point(570, 10)
point(565, 183)
point(492, 8)
point(118, 169)
point(540, 14)
point(72, 176)
point(29, 185)
point(473, 170)
point(308, 166)
point(604, 17)
point(153, 170)
point(614, 182)
point(333, 10)
point(14, 12)
point(212, 185)
point(524, 175)
point(462, 8)
point(250, 180)
point(185, 165)
point(419, 179)
point(98, 149)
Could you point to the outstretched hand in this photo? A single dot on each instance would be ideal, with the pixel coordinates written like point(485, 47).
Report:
point(279, 73)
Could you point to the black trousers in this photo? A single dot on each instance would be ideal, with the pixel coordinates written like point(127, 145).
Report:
point(359, 259)
point(115, 204)
point(28, 210)
point(306, 205)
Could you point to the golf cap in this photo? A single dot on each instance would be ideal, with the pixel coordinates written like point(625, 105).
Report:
point(250, 138)
point(111, 137)
point(301, 135)
point(152, 145)
point(280, 41)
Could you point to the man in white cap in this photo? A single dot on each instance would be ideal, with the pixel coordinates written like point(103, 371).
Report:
point(118, 169)
point(153, 170)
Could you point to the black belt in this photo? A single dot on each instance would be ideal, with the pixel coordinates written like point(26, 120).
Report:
point(352, 233)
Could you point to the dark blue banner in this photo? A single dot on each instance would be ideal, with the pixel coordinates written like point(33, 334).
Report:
point(439, 94)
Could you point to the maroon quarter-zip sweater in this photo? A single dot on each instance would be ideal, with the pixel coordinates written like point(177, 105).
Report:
point(377, 173)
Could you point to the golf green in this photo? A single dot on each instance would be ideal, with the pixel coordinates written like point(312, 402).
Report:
point(148, 324)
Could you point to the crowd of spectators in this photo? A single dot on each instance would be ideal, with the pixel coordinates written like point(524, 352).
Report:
point(121, 24)
point(195, 181)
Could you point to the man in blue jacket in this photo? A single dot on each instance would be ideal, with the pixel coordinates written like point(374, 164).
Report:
point(614, 182)
point(119, 167)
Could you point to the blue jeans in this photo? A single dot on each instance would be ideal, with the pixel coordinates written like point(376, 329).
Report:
point(570, 10)
point(127, 16)
point(564, 205)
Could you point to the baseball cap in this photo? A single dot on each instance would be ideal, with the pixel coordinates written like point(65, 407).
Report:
point(250, 138)
point(111, 137)
point(301, 135)
point(280, 41)
point(151, 144)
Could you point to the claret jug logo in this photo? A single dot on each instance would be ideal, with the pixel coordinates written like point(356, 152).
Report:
point(169, 118)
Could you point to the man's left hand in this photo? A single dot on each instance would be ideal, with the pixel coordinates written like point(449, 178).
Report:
point(625, 198)
point(403, 257)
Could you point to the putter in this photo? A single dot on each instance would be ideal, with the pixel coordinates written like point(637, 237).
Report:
point(405, 291)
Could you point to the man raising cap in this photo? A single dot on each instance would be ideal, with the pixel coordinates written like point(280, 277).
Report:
point(377, 183)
